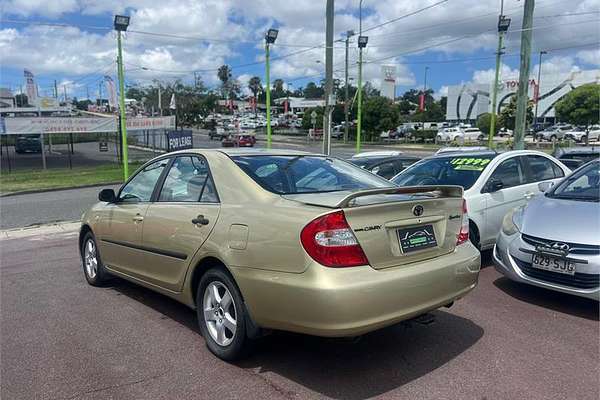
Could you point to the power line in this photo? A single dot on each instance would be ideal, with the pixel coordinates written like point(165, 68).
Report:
point(405, 16)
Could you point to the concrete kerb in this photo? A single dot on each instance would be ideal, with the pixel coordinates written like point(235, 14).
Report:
point(66, 227)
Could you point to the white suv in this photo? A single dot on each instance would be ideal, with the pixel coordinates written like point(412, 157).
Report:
point(494, 183)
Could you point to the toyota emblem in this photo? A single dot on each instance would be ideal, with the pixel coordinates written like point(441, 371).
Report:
point(418, 210)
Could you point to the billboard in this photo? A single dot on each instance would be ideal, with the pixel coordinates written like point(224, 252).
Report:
point(467, 101)
point(21, 125)
point(30, 87)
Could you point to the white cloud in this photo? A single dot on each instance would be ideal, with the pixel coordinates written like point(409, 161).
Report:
point(456, 28)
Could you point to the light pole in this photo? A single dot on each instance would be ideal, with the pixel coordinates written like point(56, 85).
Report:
point(362, 43)
point(422, 105)
point(288, 99)
point(121, 24)
point(270, 38)
point(537, 95)
point(349, 34)
point(503, 25)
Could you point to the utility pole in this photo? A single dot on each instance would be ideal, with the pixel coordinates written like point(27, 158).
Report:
point(329, 97)
point(503, 25)
point(269, 39)
point(121, 23)
point(346, 92)
point(65, 92)
point(425, 87)
point(522, 97)
point(537, 94)
point(55, 90)
point(100, 93)
point(159, 101)
point(360, 47)
point(87, 92)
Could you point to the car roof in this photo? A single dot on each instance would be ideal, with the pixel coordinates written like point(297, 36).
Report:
point(578, 150)
point(380, 153)
point(474, 153)
point(263, 152)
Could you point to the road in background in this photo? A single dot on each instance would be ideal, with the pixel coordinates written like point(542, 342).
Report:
point(68, 205)
point(38, 208)
point(63, 339)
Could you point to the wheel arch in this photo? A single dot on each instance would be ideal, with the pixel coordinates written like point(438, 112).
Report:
point(473, 226)
point(201, 267)
point(85, 229)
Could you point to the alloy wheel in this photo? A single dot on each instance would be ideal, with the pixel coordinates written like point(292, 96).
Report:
point(220, 314)
point(91, 259)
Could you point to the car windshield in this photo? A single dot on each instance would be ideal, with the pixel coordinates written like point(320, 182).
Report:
point(307, 174)
point(583, 185)
point(458, 170)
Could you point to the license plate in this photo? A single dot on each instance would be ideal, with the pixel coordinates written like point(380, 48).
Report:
point(549, 263)
point(418, 238)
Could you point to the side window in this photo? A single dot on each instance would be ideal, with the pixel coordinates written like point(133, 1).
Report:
point(509, 173)
point(541, 169)
point(386, 169)
point(188, 180)
point(141, 186)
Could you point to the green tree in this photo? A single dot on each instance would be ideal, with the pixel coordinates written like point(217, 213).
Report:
point(224, 75)
point(509, 112)
point(306, 118)
point(379, 114)
point(580, 106)
point(278, 90)
point(483, 123)
point(312, 91)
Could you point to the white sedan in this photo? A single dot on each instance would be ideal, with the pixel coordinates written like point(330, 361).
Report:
point(494, 183)
point(459, 134)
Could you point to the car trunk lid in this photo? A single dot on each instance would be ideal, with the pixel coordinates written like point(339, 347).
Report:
point(398, 226)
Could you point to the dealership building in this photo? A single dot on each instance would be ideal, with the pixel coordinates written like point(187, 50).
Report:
point(467, 101)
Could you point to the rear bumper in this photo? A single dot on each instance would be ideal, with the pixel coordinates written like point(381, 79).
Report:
point(351, 301)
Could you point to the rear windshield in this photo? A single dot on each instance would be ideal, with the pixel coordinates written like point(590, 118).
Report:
point(307, 174)
point(458, 170)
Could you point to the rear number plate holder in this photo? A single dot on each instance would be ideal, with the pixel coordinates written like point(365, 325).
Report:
point(417, 238)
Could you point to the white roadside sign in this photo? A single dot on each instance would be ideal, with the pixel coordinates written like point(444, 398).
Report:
point(32, 125)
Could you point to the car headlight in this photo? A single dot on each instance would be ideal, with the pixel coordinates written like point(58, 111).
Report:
point(511, 223)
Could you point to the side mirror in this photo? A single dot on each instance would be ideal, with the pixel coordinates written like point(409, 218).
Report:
point(545, 186)
point(107, 195)
point(494, 185)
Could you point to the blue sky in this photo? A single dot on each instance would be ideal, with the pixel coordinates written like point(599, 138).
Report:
point(456, 39)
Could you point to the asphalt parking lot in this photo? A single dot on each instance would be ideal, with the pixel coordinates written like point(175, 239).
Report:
point(63, 339)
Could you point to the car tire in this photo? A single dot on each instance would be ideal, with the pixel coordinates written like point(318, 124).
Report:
point(224, 342)
point(553, 138)
point(93, 269)
point(474, 235)
point(480, 138)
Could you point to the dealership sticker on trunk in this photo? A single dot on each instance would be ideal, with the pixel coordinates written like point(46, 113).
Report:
point(418, 238)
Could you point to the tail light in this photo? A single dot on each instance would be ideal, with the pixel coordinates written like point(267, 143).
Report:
point(330, 242)
point(463, 235)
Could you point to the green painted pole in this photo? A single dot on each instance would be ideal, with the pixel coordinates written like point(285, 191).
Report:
point(268, 81)
point(495, 91)
point(359, 112)
point(122, 109)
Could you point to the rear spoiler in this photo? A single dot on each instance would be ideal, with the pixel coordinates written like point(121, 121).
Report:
point(436, 191)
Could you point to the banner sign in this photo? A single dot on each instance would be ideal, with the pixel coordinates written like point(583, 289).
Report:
point(19, 126)
point(111, 91)
point(180, 140)
point(30, 86)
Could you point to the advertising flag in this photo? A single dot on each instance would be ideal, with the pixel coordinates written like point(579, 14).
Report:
point(172, 104)
point(111, 91)
point(31, 87)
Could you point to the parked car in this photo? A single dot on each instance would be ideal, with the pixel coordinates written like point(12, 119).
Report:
point(594, 133)
point(449, 134)
point(383, 163)
point(228, 141)
point(28, 144)
point(245, 140)
point(579, 134)
point(556, 250)
point(556, 132)
point(472, 134)
point(494, 183)
point(505, 132)
point(262, 240)
point(217, 133)
point(337, 132)
point(574, 157)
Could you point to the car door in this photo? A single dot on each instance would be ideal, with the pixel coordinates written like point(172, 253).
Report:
point(121, 230)
point(499, 200)
point(538, 169)
point(179, 221)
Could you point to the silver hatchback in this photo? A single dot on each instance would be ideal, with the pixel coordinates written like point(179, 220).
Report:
point(554, 241)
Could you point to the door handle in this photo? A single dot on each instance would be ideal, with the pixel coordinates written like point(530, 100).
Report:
point(138, 218)
point(200, 220)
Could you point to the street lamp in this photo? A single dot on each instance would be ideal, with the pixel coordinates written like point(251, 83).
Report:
point(270, 38)
point(121, 24)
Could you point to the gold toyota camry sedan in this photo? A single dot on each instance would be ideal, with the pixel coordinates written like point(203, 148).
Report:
point(258, 240)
